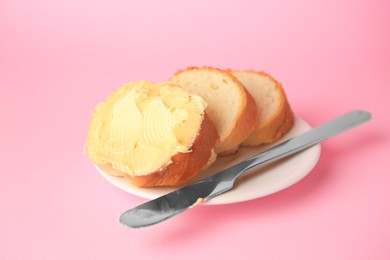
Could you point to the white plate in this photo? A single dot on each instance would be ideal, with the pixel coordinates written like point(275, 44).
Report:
point(264, 181)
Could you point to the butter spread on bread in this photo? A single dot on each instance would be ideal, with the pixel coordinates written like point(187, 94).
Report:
point(152, 134)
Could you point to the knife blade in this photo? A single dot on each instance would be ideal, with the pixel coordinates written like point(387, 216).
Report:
point(173, 203)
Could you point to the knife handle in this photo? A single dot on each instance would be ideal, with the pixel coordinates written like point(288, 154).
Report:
point(305, 140)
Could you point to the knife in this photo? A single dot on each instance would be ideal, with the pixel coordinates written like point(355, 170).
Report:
point(175, 202)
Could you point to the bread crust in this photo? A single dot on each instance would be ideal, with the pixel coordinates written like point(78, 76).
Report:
point(243, 128)
point(245, 120)
point(281, 121)
point(184, 165)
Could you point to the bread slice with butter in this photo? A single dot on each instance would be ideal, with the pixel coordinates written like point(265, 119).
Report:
point(275, 115)
point(152, 134)
point(230, 106)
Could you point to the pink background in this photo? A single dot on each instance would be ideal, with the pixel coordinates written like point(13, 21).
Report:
point(58, 59)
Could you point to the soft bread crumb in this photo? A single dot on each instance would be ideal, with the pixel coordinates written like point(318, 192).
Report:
point(276, 117)
point(230, 106)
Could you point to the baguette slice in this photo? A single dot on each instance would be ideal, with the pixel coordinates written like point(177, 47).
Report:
point(230, 107)
point(151, 134)
point(276, 117)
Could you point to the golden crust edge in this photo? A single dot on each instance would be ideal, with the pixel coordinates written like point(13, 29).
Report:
point(245, 119)
point(278, 125)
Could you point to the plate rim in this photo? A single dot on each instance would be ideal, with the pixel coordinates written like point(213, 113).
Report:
point(141, 192)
